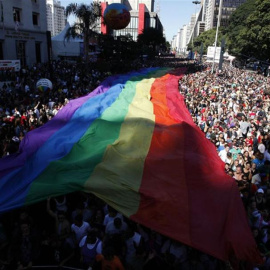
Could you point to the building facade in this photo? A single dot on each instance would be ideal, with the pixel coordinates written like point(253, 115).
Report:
point(180, 41)
point(183, 39)
point(212, 9)
point(56, 18)
point(207, 18)
point(23, 31)
point(142, 16)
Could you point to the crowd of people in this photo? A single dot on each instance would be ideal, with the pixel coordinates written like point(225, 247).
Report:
point(232, 108)
point(23, 107)
point(79, 230)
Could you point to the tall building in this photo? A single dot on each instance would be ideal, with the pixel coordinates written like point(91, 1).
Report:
point(142, 16)
point(212, 9)
point(173, 43)
point(204, 4)
point(180, 41)
point(207, 17)
point(56, 18)
point(183, 39)
point(23, 31)
point(192, 28)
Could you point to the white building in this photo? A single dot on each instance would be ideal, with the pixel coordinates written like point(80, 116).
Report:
point(207, 18)
point(204, 4)
point(177, 41)
point(62, 48)
point(56, 18)
point(212, 12)
point(209, 15)
point(173, 43)
point(23, 31)
point(183, 39)
point(180, 41)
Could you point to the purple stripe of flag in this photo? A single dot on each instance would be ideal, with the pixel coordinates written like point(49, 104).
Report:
point(9, 163)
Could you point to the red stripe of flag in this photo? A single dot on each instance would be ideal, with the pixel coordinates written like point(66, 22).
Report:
point(185, 193)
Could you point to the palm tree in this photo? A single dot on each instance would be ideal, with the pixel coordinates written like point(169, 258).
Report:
point(87, 21)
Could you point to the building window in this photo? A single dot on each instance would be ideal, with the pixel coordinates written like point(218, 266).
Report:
point(16, 14)
point(35, 1)
point(35, 18)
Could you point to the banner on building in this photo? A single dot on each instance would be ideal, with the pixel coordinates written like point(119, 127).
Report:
point(10, 65)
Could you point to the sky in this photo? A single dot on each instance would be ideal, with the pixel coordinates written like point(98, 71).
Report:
point(173, 13)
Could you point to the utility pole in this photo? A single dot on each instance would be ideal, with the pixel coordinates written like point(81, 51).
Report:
point(218, 23)
point(195, 23)
point(196, 2)
point(222, 50)
point(201, 53)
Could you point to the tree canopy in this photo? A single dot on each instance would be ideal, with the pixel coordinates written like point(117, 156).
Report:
point(207, 38)
point(248, 34)
point(249, 30)
point(151, 38)
point(88, 18)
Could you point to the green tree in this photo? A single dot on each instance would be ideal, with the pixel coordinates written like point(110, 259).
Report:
point(238, 28)
point(88, 17)
point(249, 30)
point(127, 47)
point(151, 38)
point(207, 38)
point(258, 30)
point(123, 47)
point(168, 46)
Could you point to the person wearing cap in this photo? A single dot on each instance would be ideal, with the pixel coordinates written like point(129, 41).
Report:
point(260, 199)
point(264, 151)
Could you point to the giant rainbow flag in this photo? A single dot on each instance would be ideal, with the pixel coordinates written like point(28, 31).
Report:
point(132, 143)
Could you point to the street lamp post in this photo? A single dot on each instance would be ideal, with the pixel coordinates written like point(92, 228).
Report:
point(196, 3)
point(192, 37)
point(218, 23)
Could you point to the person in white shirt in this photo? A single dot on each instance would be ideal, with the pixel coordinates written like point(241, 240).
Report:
point(264, 151)
point(90, 247)
point(134, 240)
point(112, 214)
point(117, 226)
point(80, 228)
point(223, 153)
